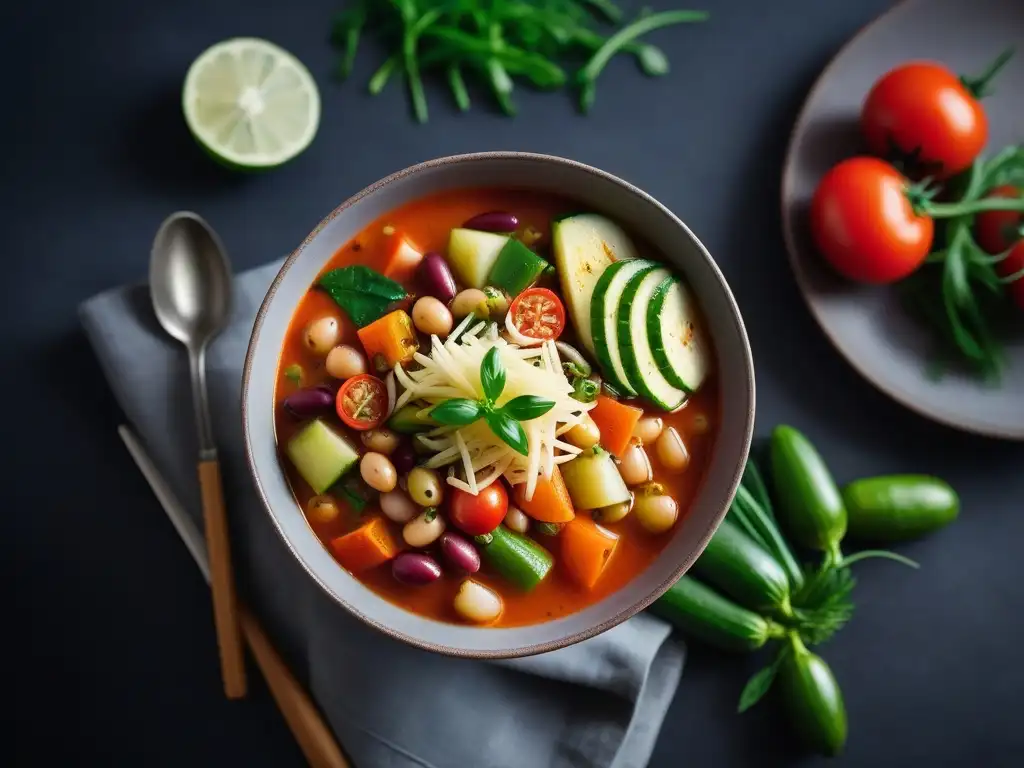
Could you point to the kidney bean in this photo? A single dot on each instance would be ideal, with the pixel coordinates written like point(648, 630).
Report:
point(404, 457)
point(304, 403)
point(435, 277)
point(415, 568)
point(459, 552)
point(493, 221)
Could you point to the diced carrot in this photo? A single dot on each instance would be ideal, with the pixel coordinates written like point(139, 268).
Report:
point(550, 502)
point(616, 421)
point(586, 550)
point(392, 337)
point(401, 259)
point(366, 547)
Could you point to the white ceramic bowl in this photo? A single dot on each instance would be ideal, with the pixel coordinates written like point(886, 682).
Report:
point(595, 190)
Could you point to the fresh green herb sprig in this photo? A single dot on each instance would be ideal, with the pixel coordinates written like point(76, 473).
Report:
point(500, 40)
point(505, 422)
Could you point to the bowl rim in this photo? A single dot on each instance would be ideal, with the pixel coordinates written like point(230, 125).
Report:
point(684, 565)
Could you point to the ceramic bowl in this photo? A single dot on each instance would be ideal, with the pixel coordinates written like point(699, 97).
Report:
point(594, 190)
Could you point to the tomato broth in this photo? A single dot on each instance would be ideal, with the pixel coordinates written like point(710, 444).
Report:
point(426, 225)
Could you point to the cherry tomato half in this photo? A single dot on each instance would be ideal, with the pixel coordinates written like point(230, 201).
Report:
point(864, 225)
point(923, 110)
point(362, 402)
point(998, 230)
point(538, 313)
point(480, 514)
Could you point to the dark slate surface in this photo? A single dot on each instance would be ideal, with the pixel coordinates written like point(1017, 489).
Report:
point(115, 660)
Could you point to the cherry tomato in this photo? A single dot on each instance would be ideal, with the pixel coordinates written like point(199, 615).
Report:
point(998, 230)
point(865, 226)
point(538, 313)
point(480, 514)
point(362, 402)
point(1011, 265)
point(922, 110)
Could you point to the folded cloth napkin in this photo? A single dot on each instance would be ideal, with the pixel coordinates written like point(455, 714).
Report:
point(596, 704)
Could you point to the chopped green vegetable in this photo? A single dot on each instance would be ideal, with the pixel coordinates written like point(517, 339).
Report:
point(293, 373)
point(549, 529)
point(355, 491)
point(364, 294)
point(517, 268)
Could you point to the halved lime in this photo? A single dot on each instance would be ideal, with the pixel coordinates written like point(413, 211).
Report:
point(250, 103)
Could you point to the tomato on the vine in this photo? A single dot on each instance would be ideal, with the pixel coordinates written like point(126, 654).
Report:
point(925, 112)
point(538, 313)
point(480, 514)
point(864, 222)
point(362, 402)
point(996, 231)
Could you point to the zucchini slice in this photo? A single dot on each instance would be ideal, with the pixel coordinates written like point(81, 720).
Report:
point(677, 341)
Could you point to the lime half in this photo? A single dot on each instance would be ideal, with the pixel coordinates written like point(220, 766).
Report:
point(250, 103)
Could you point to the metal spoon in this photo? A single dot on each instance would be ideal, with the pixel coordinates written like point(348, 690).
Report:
point(190, 284)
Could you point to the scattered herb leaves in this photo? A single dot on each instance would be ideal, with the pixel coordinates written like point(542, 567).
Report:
point(457, 412)
point(364, 293)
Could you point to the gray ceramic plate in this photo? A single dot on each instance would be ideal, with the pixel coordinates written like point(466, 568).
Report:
point(867, 325)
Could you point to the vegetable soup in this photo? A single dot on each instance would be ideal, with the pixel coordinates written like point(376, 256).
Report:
point(493, 410)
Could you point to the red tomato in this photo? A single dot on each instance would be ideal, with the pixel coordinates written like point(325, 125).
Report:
point(538, 313)
point(923, 110)
point(998, 230)
point(480, 514)
point(362, 402)
point(865, 226)
point(1011, 265)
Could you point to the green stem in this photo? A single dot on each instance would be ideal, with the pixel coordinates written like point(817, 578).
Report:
point(382, 75)
point(1013, 277)
point(979, 85)
point(967, 208)
point(775, 630)
point(879, 553)
point(458, 86)
point(796, 643)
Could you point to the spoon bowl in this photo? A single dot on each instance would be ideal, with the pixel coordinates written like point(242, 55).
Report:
point(190, 280)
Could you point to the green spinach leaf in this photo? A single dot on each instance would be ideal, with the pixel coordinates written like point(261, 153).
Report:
point(364, 294)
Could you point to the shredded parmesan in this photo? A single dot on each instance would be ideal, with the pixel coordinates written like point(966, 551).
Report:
point(475, 456)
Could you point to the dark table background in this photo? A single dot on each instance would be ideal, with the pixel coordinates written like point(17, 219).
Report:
point(115, 660)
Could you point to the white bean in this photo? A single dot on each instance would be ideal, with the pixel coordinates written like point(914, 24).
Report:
point(476, 603)
point(344, 362)
point(517, 520)
point(648, 429)
point(586, 434)
point(614, 513)
point(381, 440)
point(421, 531)
point(672, 451)
point(469, 301)
point(657, 513)
point(430, 316)
point(635, 466)
point(398, 507)
point(322, 509)
point(378, 471)
point(321, 335)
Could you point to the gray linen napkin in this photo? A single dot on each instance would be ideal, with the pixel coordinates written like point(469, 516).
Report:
point(598, 704)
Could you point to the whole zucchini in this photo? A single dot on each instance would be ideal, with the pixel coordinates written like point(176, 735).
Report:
point(813, 700)
point(703, 613)
point(734, 563)
point(809, 503)
point(899, 507)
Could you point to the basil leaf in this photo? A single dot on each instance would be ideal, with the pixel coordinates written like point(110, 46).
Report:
point(492, 375)
point(526, 407)
point(509, 430)
point(364, 294)
point(457, 412)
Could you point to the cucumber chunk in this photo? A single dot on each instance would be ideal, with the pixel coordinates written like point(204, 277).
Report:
point(677, 341)
point(473, 254)
point(516, 269)
point(585, 246)
point(321, 455)
point(518, 559)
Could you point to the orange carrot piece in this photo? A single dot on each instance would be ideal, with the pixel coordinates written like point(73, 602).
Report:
point(616, 421)
point(587, 549)
point(366, 547)
point(392, 338)
point(550, 502)
point(401, 259)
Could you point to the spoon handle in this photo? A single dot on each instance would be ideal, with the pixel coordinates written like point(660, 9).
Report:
point(222, 582)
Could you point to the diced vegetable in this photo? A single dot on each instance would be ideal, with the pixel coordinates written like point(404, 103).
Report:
point(643, 371)
point(366, 547)
point(673, 327)
point(406, 421)
point(473, 254)
point(390, 339)
point(321, 455)
point(516, 558)
point(586, 549)
point(293, 373)
point(593, 480)
point(354, 491)
point(401, 259)
point(516, 269)
point(616, 421)
point(585, 245)
point(604, 314)
point(551, 502)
